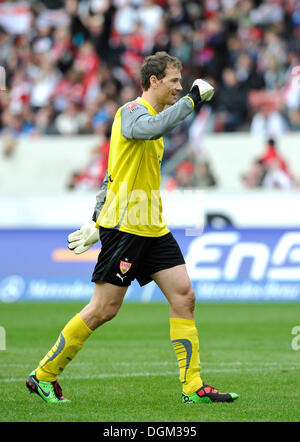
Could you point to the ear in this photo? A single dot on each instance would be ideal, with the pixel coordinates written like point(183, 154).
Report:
point(153, 81)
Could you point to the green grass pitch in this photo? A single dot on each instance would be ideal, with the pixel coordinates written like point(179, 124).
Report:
point(127, 370)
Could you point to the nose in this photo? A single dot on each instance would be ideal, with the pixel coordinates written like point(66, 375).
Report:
point(179, 87)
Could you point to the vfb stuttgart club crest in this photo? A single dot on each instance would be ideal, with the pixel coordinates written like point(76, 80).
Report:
point(125, 266)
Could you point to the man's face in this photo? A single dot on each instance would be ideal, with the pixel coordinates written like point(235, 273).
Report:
point(168, 88)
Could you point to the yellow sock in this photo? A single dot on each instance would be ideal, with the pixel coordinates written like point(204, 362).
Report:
point(66, 347)
point(184, 337)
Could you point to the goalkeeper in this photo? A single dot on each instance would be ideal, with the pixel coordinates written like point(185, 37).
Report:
point(136, 243)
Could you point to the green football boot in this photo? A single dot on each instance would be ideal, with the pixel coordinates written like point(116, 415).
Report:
point(49, 391)
point(207, 394)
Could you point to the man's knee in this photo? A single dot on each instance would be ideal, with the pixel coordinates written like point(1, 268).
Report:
point(190, 296)
point(104, 305)
point(186, 296)
point(107, 313)
point(95, 315)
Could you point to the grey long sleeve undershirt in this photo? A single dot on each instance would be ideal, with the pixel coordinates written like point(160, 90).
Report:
point(137, 123)
point(100, 198)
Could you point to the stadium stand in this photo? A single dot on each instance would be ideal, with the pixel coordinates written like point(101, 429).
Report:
point(57, 159)
point(70, 64)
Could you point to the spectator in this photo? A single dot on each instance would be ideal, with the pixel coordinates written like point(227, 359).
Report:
point(275, 73)
point(292, 91)
point(267, 13)
point(45, 120)
point(174, 141)
point(70, 121)
point(276, 178)
point(70, 87)
point(179, 46)
point(271, 155)
point(104, 117)
point(184, 176)
point(20, 91)
point(203, 175)
point(189, 174)
point(125, 17)
point(161, 40)
point(268, 122)
point(44, 77)
point(176, 14)
point(86, 60)
point(197, 131)
point(270, 170)
point(128, 93)
point(90, 176)
point(247, 74)
point(43, 40)
point(149, 15)
point(15, 127)
point(232, 106)
point(96, 27)
point(256, 174)
point(62, 50)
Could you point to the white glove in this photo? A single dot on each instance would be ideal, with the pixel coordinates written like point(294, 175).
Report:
point(206, 90)
point(82, 239)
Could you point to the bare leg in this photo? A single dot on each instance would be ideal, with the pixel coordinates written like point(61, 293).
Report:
point(104, 304)
point(177, 288)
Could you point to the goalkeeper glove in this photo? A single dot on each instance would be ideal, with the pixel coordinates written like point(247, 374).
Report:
point(82, 239)
point(201, 91)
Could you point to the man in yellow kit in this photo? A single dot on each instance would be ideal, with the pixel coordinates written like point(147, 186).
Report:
point(136, 243)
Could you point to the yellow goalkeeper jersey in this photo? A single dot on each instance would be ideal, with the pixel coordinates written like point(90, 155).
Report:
point(132, 198)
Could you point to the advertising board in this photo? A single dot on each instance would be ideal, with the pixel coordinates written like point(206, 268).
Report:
point(228, 264)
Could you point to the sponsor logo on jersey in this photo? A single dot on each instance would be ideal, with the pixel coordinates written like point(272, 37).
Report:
point(132, 107)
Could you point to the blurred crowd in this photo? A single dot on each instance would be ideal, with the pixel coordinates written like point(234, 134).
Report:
point(270, 170)
point(70, 64)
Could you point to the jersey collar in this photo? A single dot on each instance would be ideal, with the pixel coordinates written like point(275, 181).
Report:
point(148, 105)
